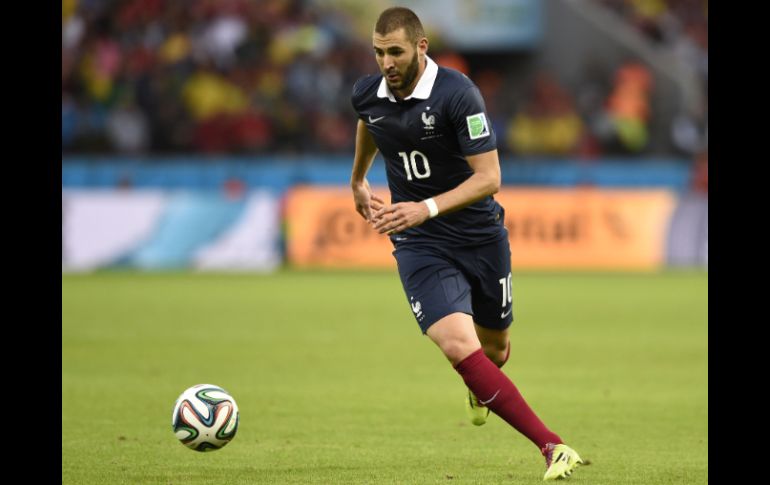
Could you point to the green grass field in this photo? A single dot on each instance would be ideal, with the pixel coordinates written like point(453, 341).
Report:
point(336, 384)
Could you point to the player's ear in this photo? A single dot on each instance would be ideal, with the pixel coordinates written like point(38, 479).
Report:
point(422, 45)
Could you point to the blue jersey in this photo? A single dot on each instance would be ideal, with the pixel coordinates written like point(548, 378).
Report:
point(424, 139)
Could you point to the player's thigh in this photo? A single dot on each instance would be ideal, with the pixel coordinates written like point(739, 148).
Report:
point(492, 301)
point(433, 285)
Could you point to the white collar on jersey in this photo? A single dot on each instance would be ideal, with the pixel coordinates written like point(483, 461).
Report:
point(423, 88)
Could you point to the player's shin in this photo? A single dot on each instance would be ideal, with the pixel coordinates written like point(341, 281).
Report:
point(496, 391)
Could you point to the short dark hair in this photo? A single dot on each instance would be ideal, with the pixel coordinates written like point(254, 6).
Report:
point(395, 18)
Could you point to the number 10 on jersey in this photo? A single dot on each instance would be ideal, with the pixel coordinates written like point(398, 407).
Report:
point(410, 165)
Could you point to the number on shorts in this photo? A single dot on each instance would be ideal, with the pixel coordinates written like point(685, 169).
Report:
point(505, 283)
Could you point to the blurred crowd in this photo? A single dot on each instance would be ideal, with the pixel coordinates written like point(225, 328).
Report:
point(275, 76)
point(212, 76)
point(679, 26)
point(610, 111)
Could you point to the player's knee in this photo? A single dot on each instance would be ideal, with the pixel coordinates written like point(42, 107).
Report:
point(496, 352)
point(457, 349)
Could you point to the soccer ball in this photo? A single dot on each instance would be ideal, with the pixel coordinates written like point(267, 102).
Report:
point(205, 417)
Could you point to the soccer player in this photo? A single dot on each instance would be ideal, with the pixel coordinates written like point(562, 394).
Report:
point(452, 250)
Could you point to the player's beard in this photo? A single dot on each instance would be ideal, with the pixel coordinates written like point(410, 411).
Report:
point(409, 75)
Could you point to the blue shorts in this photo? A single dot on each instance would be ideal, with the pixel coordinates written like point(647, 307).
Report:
point(475, 280)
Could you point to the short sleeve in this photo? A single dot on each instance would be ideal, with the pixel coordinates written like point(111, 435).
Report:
point(361, 91)
point(472, 125)
point(355, 97)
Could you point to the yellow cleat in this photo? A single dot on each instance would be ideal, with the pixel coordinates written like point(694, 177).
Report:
point(476, 412)
point(560, 461)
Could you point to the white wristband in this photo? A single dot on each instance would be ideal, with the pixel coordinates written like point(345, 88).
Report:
point(432, 207)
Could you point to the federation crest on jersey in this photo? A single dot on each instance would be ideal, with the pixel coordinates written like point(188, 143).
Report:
point(477, 126)
point(428, 121)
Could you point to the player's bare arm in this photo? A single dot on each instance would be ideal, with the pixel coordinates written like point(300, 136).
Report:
point(484, 181)
point(366, 201)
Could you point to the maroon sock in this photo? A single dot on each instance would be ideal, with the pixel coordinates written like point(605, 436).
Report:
point(496, 391)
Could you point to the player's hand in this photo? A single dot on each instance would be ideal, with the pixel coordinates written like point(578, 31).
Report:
point(366, 201)
point(400, 217)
